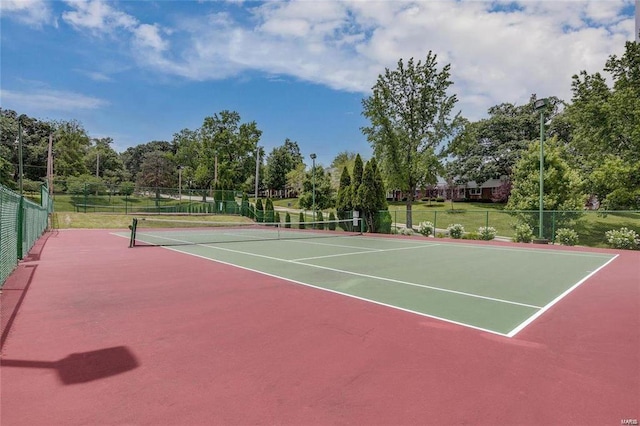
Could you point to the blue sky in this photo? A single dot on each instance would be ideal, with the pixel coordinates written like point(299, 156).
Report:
point(138, 71)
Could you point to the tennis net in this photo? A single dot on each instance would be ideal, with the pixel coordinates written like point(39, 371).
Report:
point(170, 232)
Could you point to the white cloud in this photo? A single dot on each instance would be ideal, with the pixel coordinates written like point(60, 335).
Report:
point(49, 100)
point(97, 16)
point(146, 35)
point(500, 51)
point(30, 12)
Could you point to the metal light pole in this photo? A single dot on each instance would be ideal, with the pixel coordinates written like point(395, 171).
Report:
point(215, 169)
point(257, 170)
point(20, 167)
point(540, 105)
point(313, 183)
point(180, 183)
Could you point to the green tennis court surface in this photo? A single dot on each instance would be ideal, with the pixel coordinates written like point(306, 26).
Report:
point(492, 288)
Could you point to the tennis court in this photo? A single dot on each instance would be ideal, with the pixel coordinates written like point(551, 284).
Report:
point(494, 289)
point(343, 329)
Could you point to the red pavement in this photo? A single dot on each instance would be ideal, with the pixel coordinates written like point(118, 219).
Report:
point(96, 333)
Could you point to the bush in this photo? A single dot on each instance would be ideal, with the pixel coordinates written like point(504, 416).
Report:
point(320, 219)
point(623, 238)
point(471, 236)
point(426, 228)
point(523, 234)
point(287, 220)
point(567, 237)
point(455, 231)
point(301, 221)
point(487, 233)
point(277, 217)
point(332, 223)
point(382, 222)
point(406, 231)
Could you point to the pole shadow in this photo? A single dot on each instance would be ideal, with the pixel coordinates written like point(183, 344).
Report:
point(84, 367)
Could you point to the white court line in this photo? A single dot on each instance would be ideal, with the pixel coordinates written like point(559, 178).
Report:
point(488, 247)
point(444, 290)
point(511, 334)
point(475, 327)
point(548, 306)
point(369, 251)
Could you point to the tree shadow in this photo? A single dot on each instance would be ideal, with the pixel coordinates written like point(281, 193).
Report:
point(84, 367)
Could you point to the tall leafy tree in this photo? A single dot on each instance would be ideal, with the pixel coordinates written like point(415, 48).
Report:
point(35, 142)
point(344, 204)
point(70, 146)
point(324, 193)
point(410, 112)
point(490, 148)
point(605, 122)
point(281, 161)
point(371, 195)
point(133, 157)
point(563, 187)
point(344, 159)
point(156, 171)
point(356, 181)
point(104, 160)
point(234, 144)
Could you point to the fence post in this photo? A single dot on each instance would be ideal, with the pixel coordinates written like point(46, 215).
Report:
point(20, 226)
point(435, 221)
point(553, 227)
point(487, 221)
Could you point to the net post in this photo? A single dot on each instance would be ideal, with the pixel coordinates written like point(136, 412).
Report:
point(133, 226)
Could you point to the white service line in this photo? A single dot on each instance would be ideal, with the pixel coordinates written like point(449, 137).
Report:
point(340, 293)
point(374, 277)
point(361, 252)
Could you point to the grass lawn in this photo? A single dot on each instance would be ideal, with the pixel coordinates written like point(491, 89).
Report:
point(68, 220)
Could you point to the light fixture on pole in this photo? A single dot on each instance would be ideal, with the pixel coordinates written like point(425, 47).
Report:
point(540, 106)
point(313, 183)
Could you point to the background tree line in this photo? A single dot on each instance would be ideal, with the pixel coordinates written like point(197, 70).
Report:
point(593, 145)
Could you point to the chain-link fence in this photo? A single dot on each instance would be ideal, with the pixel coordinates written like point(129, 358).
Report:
point(589, 225)
point(22, 222)
point(99, 197)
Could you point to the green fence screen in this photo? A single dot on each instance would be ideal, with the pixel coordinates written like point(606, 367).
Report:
point(22, 222)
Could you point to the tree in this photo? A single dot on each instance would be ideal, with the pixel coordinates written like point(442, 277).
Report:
point(133, 157)
point(70, 146)
point(358, 170)
point(604, 122)
point(343, 159)
point(259, 210)
point(616, 183)
point(281, 161)
point(344, 205)
point(156, 171)
point(103, 159)
point(269, 215)
point(562, 187)
point(296, 177)
point(489, 148)
point(324, 193)
point(410, 114)
point(371, 195)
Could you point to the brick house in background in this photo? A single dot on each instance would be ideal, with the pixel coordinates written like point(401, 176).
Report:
point(469, 191)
